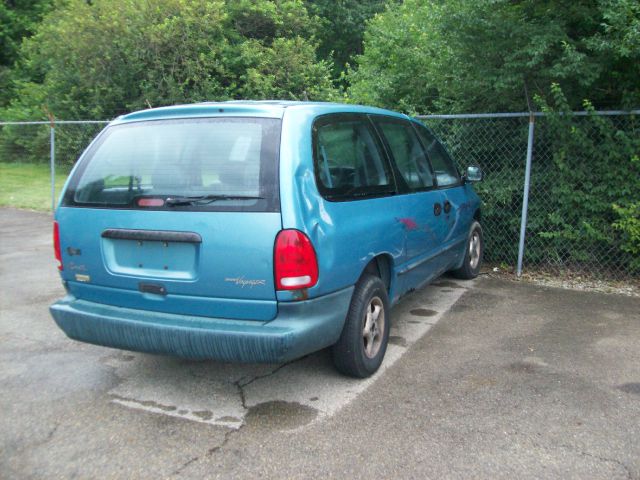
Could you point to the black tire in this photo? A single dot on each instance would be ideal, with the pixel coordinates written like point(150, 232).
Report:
point(356, 354)
point(471, 266)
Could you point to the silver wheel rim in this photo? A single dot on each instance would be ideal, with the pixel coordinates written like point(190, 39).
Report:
point(373, 330)
point(474, 250)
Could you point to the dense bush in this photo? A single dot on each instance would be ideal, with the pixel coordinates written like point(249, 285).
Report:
point(628, 224)
point(585, 186)
point(340, 28)
point(18, 19)
point(593, 167)
point(102, 58)
point(429, 56)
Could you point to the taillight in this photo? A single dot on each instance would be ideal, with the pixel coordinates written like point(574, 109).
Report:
point(56, 244)
point(296, 265)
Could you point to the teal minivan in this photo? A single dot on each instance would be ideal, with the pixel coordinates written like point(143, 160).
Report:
point(259, 231)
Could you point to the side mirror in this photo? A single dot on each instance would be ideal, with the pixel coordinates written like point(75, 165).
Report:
point(474, 174)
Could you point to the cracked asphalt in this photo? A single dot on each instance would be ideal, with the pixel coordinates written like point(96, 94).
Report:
point(491, 379)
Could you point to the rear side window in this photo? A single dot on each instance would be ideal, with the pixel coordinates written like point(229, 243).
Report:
point(221, 163)
point(348, 160)
point(409, 156)
point(446, 172)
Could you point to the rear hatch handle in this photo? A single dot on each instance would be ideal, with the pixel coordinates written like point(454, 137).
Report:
point(154, 288)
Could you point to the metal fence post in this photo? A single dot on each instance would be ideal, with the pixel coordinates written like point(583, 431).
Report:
point(525, 198)
point(53, 166)
point(52, 159)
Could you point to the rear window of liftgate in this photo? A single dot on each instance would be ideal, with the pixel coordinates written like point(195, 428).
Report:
point(222, 164)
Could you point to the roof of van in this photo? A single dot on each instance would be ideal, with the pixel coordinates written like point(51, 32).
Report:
point(251, 108)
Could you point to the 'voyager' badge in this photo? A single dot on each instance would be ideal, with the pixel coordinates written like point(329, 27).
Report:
point(242, 282)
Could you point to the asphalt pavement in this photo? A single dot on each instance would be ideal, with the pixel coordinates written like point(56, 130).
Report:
point(483, 379)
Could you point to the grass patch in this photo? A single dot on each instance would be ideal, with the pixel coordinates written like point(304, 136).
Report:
point(27, 185)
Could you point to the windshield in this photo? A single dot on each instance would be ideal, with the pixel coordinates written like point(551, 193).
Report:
point(151, 164)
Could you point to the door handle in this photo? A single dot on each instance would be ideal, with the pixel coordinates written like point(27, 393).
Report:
point(437, 209)
point(447, 206)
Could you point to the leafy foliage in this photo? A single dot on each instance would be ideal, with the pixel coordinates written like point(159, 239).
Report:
point(340, 27)
point(594, 167)
point(101, 58)
point(629, 224)
point(491, 55)
point(18, 19)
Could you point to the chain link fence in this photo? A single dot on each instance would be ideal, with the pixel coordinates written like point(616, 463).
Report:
point(499, 147)
point(30, 142)
point(57, 145)
point(584, 179)
point(584, 189)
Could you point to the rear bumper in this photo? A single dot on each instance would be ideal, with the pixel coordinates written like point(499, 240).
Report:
point(299, 328)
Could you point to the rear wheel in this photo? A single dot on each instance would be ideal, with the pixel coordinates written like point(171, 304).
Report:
point(363, 342)
point(473, 255)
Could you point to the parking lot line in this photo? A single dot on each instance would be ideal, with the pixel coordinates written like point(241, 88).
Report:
point(309, 388)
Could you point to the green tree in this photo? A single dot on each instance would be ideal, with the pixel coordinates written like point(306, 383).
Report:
point(490, 55)
point(101, 58)
point(340, 26)
point(18, 20)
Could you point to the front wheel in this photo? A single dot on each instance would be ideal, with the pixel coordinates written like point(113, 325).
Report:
point(363, 342)
point(473, 254)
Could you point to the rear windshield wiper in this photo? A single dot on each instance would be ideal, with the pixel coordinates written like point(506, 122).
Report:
point(205, 199)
